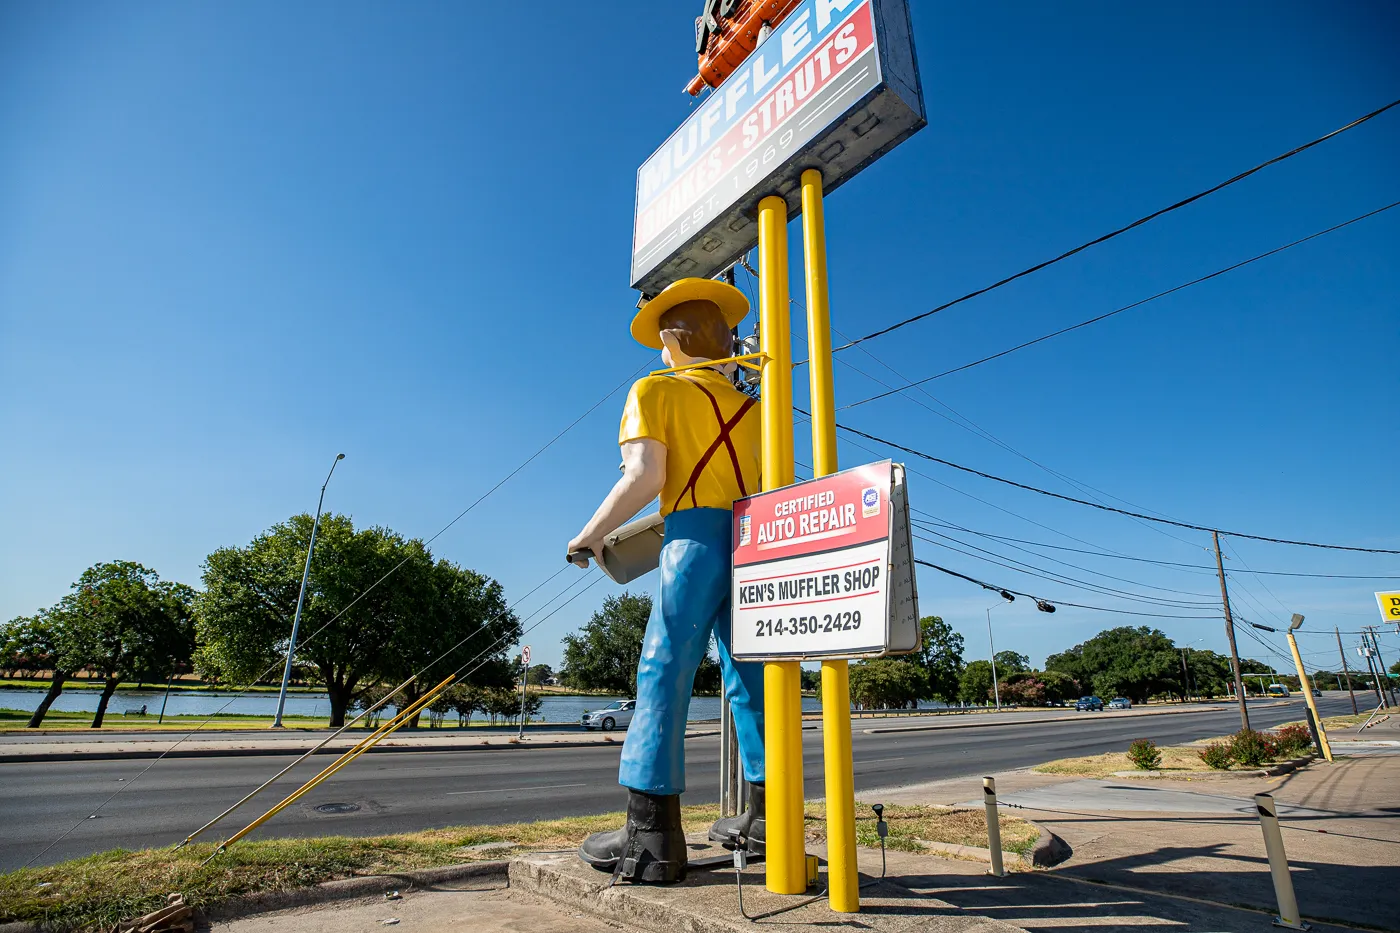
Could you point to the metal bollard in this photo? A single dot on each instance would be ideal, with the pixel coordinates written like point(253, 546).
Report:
point(989, 798)
point(1288, 916)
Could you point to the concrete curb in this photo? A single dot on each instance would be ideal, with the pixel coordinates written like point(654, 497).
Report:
point(196, 752)
point(1029, 722)
point(326, 892)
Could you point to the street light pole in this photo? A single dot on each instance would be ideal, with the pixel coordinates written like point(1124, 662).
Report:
point(996, 690)
point(301, 598)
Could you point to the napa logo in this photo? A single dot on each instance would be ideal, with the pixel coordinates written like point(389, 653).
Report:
point(869, 502)
point(745, 529)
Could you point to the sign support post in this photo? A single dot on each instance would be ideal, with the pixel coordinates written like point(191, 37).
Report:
point(782, 680)
point(843, 877)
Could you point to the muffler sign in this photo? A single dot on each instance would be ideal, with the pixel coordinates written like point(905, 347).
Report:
point(817, 569)
point(834, 87)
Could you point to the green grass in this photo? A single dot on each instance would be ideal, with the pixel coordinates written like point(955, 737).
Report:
point(104, 889)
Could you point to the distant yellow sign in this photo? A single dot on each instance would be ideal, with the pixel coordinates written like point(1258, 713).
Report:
point(1390, 606)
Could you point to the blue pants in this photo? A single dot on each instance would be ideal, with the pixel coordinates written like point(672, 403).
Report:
point(692, 602)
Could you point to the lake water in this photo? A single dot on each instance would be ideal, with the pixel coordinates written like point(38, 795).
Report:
point(561, 709)
point(553, 708)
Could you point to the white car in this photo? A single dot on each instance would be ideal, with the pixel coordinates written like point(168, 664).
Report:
point(617, 713)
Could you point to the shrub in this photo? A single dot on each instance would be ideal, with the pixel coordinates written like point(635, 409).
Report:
point(1293, 740)
point(1145, 754)
point(1217, 756)
point(1251, 748)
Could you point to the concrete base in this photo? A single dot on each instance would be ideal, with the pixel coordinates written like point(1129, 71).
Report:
point(707, 901)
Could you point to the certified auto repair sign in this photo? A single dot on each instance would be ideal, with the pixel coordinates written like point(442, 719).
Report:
point(812, 567)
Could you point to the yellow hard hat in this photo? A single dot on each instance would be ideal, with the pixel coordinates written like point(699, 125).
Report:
point(731, 302)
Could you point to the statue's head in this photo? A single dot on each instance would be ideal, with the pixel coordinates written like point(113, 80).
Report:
point(692, 319)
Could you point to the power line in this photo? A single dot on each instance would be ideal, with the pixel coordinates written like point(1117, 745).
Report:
point(1052, 602)
point(1150, 560)
point(1121, 230)
point(1107, 589)
point(1097, 505)
point(1127, 307)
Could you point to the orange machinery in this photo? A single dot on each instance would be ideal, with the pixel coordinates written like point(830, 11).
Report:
point(729, 37)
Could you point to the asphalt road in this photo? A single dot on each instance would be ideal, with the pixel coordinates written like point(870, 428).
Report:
point(405, 791)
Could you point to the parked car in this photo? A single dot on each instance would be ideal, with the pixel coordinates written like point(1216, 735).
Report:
point(1090, 703)
point(1120, 703)
point(617, 713)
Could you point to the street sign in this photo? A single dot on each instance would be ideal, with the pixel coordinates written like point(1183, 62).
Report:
point(824, 569)
point(525, 655)
point(833, 88)
point(1389, 604)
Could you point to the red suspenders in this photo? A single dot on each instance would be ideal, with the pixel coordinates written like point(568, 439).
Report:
point(725, 428)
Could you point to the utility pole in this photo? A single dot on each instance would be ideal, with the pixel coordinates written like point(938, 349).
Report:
point(1380, 663)
point(1185, 677)
point(1230, 631)
point(1346, 671)
point(301, 598)
point(1370, 666)
point(524, 680)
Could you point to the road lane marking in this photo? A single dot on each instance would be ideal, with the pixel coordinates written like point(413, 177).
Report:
point(876, 761)
point(507, 790)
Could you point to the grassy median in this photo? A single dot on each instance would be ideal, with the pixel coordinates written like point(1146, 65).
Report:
point(103, 889)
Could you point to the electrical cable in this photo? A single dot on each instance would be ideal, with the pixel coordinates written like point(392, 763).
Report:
point(1067, 581)
point(1121, 230)
point(925, 526)
point(1096, 505)
point(550, 443)
point(395, 692)
point(480, 660)
point(1127, 307)
point(1054, 602)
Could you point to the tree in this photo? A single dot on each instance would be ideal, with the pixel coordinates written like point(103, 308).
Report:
point(1025, 688)
point(1011, 662)
point(975, 685)
point(940, 656)
point(31, 644)
point(124, 623)
point(355, 629)
point(539, 674)
point(886, 683)
point(1130, 662)
point(604, 654)
point(454, 620)
point(1059, 686)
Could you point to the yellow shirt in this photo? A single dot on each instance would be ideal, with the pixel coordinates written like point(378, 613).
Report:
point(673, 410)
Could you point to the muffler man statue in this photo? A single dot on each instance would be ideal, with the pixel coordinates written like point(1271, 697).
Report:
point(693, 439)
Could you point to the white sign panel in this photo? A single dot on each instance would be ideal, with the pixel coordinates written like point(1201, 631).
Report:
point(833, 88)
point(815, 574)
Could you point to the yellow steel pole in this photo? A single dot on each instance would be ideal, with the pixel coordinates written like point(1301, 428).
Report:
point(782, 681)
point(1308, 698)
point(345, 758)
point(843, 873)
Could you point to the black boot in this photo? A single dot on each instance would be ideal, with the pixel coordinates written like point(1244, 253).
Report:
point(751, 824)
point(651, 847)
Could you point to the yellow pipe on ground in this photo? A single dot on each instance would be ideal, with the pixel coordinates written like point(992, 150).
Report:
point(786, 866)
point(1306, 685)
point(843, 873)
point(345, 758)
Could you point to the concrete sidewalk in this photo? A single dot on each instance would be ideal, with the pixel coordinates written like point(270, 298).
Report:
point(1198, 840)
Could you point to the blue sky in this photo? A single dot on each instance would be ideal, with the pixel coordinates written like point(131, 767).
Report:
point(238, 239)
